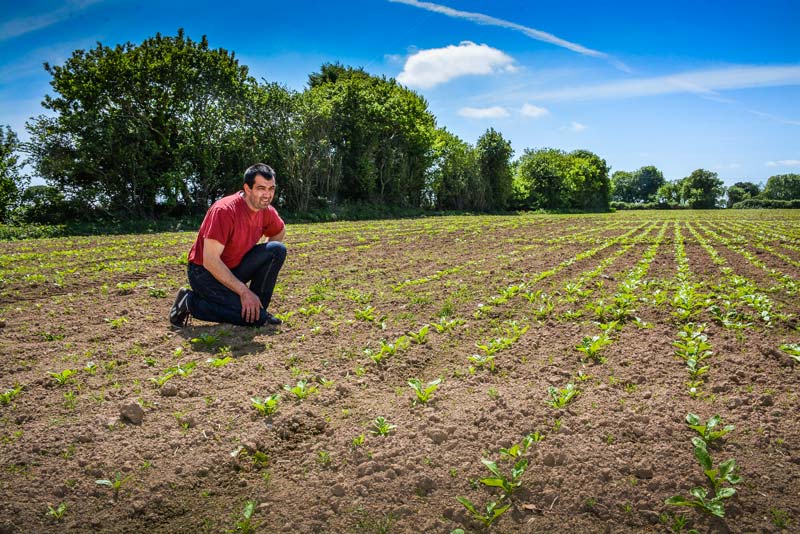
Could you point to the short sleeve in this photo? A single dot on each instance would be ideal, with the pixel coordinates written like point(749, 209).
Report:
point(220, 225)
point(273, 224)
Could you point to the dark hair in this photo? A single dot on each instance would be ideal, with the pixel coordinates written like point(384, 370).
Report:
point(254, 170)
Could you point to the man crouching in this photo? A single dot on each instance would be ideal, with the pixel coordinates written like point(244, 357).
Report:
point(226, 256)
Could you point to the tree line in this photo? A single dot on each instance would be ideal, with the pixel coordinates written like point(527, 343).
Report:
point(165, 127)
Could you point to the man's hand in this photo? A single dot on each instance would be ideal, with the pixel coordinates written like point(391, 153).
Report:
point(251, 306)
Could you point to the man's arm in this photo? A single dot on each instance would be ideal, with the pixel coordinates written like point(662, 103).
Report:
point(279, 236)
point(212, 261)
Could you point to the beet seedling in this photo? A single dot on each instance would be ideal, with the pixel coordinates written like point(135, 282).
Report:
point(560, 397)
point(707, 431)
point(381, 427)
point(244, 525)
point(724, 472)
point(219, 362)
point(58, 512)
point(267, 405)
point(444, 325)
point(499, 480)
point(8, 396)
point(482, 361)
point(301, 390)
point(491, 514)
point(115, 484)
point(592, 346)
point(424, 393)
point(420, 337)
point(793, 350)
point(63, 377)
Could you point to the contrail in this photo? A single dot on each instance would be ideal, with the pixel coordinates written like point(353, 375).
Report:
point(539, 35)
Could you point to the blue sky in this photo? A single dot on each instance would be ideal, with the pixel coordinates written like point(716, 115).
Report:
point(680, 85)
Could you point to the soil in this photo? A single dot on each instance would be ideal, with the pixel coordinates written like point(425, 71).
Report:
point(190, 455)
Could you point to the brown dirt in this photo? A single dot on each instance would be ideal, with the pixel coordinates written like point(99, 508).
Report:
point(607, 462)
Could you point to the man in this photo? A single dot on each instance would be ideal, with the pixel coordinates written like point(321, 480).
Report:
point(226, 256)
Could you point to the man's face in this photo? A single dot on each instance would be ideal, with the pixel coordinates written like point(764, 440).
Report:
point(260, 195)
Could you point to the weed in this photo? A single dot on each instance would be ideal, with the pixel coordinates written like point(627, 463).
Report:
point(324, 458)
point(779, 518)
point(358, 441)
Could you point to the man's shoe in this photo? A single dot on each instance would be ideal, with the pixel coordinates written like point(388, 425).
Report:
point(179, 314)
point(271, 319)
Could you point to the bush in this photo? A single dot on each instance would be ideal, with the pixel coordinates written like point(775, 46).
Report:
point(645, 206)
point(764, 203)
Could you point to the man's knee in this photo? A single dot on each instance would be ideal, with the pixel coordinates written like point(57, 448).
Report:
point(275, 250)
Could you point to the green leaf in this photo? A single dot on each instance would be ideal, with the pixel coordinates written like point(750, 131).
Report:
point(491, 466)
point(468, 505)
point(692, 420)
point(725, 493)
point(679, 500)
point(494, 482)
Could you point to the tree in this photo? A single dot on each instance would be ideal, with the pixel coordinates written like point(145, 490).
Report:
point(669, 193)
point(138, 125)
point(741, 191)
point(539, 180)
point(381, 131)
point(783, 187)
point(640, 185)
point(12, 181)
point(494, 159)
point(455, 180)
point(624, 187)
point(701, 189)
point(587, 183)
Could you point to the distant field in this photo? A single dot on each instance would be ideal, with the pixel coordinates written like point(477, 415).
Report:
point(584, 340)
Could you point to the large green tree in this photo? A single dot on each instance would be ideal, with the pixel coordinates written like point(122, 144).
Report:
point(494, 157)
point(539, 179)
point(381, 131)
point(12, 179)
point(587, 183)
point(164, 121)
point(640, 185)
point(455, 180)
point(741, 191)
point(702, 189)
point(783, 187)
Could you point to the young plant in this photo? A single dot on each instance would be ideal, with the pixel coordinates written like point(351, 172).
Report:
point(499, 480)
point(267, 405)
point(592, 346)
point(8, 396)
point(58, 512)
point(244, 524)
point(560, 397)
point(115, 484)
point(179, 370)
point(793, 350)
point(444, 324)
point(725, 472)
point(482, 361)
point(219, 362)
point(424, 393)
point(420, 337)
point(381, 427)
point(301, 390)
point(367, 314)
point(707, 431)
point(488, 517)
point(63, 377)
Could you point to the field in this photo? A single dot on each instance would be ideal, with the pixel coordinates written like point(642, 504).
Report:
point(570, 351)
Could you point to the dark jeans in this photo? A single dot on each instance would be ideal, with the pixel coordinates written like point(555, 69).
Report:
point(211, 301)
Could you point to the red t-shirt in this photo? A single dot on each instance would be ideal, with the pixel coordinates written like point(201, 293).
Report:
point(231, 222)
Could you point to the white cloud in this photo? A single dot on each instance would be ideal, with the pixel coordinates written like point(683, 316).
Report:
point(784, 163)
point(428, 68)
point(704, 83)
point(22, 25)
point(487, 20)
point(529, 110)
point(575, 127)
point(495, 112)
